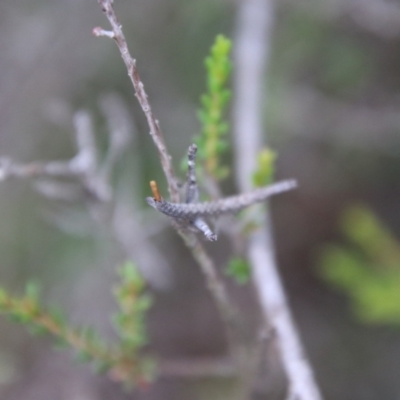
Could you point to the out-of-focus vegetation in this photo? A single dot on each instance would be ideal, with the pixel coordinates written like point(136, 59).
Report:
point(367, 268)
point(239, 269)
point(122, 359)
point(264, 174)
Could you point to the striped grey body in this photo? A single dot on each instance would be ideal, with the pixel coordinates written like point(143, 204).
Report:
point(191, 212)
point(223, 206)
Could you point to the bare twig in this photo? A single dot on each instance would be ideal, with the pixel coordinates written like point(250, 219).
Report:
point(9, 169)
point(86, 163)
point(255, 18)
point(87, 179)
point(216, 287)
point(155, 131)
point(82, 167)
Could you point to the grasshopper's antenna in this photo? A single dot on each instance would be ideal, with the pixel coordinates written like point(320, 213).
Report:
point(154, 190)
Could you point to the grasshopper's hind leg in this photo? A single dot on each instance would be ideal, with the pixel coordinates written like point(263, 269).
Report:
point(202, 226)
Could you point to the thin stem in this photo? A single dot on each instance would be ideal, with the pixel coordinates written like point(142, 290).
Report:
point(255, 18)
point(226, 308)
point(214, 283)
point(155, 131)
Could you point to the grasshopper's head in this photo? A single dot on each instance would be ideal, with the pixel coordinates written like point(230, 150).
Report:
point(151, 201)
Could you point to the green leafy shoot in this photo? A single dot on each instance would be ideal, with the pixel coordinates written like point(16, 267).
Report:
point(368, 268)
point(264, 174)
point(239, 269)
point(364, 229)
point(28, 311)
point(121, 360)
point(212, 142)
point(133, 304)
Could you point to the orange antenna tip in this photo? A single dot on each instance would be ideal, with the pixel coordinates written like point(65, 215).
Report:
point(154, 190)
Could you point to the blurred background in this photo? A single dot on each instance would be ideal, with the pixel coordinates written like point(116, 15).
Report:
point(331, 113)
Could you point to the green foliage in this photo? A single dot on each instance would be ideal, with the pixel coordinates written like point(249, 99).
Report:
point(133, 304)
point(264, 174)
point(212, 142)
point(239, 269)
point(122, 360)
point(367, 270)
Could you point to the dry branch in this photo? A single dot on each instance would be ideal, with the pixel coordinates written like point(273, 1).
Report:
point(254, 31)
point(130, 63)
